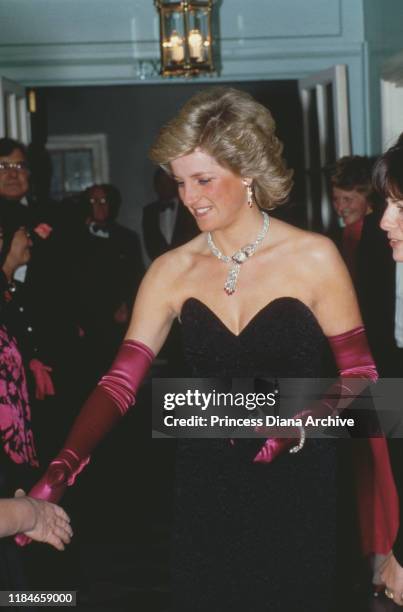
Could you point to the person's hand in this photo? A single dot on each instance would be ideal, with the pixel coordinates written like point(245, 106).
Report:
point(280, 440)
point(51, 524)
point(43, 381)
point(49, 488)
point(392, 577)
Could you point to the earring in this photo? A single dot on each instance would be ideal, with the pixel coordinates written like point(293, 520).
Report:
point(249, 193)
point(250, 196)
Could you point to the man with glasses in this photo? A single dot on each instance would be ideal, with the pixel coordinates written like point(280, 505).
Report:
point(14, 182)
point(44, 282)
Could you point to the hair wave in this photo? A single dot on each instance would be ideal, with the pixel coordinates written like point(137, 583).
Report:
point(238, 132)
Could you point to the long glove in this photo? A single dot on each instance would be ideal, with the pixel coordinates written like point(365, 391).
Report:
point(106, 405)
point(354, 360)
point(377, 499)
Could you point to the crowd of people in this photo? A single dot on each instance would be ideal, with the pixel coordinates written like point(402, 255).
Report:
point(268, 523)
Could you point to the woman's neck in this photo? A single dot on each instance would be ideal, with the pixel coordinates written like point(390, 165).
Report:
point(244, 230)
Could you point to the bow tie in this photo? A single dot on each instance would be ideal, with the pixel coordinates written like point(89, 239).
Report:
point(101, 231)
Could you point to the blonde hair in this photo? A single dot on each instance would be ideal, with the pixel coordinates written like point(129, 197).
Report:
point(238, 132)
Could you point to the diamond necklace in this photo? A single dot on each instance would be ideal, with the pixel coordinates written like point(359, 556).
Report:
point(240, 256)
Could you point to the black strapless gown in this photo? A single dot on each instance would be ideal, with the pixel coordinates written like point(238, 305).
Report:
point(255, 537)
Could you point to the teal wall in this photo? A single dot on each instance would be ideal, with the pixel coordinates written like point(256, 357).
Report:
point(104, 42)
point(383, 27)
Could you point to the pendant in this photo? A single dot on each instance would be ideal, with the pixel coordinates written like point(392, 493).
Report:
point(238, 258)
point(241, 256)
point(232, 278)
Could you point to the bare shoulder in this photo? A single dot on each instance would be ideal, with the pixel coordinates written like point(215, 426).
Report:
point(156, 302)
point(177, 262)
point(318, 250)
point(165, 277)
point(308, 249)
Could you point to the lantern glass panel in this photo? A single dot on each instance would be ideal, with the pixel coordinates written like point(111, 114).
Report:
point(174, 37)
point(198, 37)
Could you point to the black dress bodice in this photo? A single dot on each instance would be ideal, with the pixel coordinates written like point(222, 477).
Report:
point(282, 340)
point(248, 536)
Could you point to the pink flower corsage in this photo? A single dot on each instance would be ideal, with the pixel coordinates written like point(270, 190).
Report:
point(43, 230)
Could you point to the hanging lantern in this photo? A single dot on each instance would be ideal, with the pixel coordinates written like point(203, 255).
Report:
point(185, 37)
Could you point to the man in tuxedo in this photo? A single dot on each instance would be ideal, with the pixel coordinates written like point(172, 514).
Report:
point(18, 210)
point(16, 203)
point(14, 182)
point(108, 268)
point(166, 222)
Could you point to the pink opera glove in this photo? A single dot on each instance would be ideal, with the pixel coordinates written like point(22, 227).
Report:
point(43, 381)
point(354, 360)
point(106, 405)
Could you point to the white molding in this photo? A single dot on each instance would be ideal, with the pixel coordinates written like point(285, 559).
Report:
point(337, 76)
point(391, 85)
point(392, 70)
point(316, 84)
point(392, 112)
point(14, 116)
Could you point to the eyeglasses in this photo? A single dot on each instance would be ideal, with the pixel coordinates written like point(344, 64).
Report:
point(98, 201)
point(21, 166)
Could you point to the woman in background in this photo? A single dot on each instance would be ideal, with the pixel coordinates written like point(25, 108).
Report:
point(18, 459)
point(365, 250)
point(388, 180)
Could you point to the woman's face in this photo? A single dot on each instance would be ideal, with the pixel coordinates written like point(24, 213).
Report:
point(213, 194)
point(351, 206)
point(392, 223)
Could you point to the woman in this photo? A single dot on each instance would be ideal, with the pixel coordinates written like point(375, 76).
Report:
point(366, 253)
point(18, 448)
point(256, 527)
point(388, 180)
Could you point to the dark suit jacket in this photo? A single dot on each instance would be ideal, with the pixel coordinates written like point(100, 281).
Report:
point(185, 229)
point(47, 289)
point(375, 287)
point(108, 271)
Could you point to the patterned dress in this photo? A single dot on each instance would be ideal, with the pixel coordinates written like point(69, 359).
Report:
point(15, 415)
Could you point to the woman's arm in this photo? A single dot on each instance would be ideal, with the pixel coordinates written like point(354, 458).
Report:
point(153, 311)
point(116, 391)
point(334, 299)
